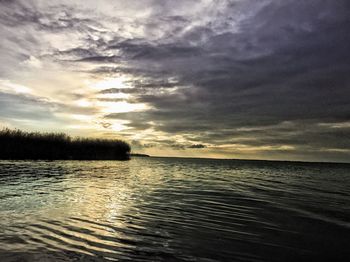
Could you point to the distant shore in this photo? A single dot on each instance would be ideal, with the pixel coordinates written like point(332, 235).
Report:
point(277, 161)
point(139, 155)
point(20, 145)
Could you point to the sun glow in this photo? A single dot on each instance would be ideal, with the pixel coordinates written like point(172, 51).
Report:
point(120, 107)
point(83, 103)
point(119, 125)
point(113, 96)
point(119, 82)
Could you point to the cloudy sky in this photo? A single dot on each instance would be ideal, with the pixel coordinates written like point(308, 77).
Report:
point(262, 79)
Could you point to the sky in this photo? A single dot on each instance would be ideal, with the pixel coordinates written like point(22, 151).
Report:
point(251, 79)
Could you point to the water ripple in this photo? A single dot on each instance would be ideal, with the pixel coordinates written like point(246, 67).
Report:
point(163, 209)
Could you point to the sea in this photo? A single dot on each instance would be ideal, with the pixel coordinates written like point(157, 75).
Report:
point(174, 209)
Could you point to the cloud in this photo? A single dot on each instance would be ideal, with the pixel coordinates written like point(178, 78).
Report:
point(20, 106)
point(241, 75)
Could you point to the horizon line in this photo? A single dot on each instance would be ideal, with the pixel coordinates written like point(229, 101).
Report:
point(260, 160)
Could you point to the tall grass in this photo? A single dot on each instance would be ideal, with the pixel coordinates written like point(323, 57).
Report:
point(17, 144)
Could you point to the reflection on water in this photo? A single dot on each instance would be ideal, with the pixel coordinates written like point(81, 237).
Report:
point(163, 209)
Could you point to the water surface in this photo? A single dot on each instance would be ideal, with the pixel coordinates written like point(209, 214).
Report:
point(167, 209)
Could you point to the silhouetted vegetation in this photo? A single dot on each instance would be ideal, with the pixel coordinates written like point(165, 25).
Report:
point(16, 144)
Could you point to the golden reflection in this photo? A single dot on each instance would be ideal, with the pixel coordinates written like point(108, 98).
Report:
point(109, 195)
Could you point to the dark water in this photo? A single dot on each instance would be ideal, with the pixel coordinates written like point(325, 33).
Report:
point(163, 209)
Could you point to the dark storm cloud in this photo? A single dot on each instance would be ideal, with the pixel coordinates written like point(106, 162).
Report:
point(289, 62)
point(143, 86)
point(139, 125)
point(197, 146)
point(253, 73)
point(17, 13)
